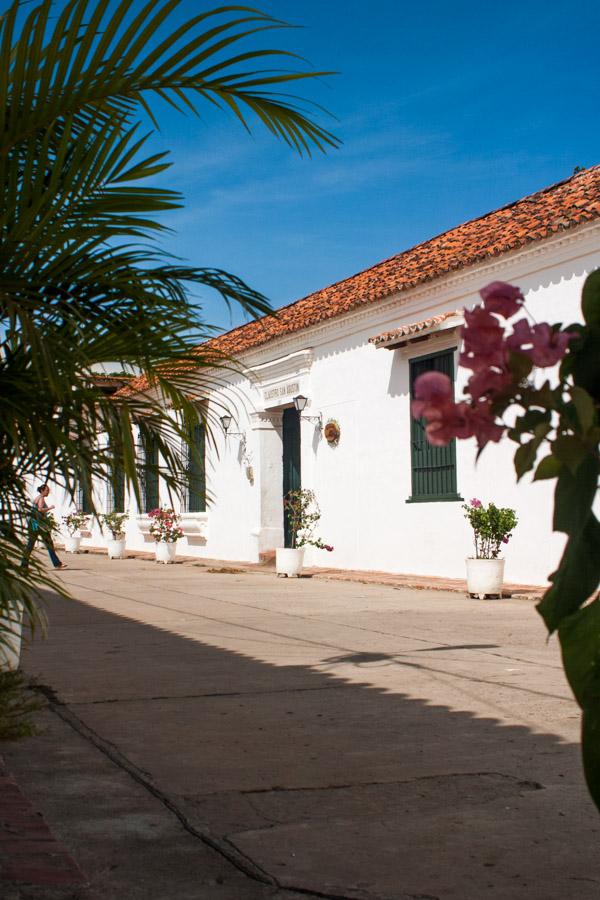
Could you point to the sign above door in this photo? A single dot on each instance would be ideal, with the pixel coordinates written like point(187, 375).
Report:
point(281, 391)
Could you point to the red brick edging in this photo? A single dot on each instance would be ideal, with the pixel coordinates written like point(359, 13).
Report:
point(29, 853)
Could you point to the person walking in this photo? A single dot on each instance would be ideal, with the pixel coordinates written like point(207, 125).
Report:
point(39, 527)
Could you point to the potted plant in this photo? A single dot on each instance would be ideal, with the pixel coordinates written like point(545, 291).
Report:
point(115, 522)
point(74, 523)
point(166, 531)
point(302, 510)
point(492, 527)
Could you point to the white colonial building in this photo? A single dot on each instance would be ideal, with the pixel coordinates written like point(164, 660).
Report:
point(389, 502)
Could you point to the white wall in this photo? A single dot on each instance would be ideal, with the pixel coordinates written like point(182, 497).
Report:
point(363, 483)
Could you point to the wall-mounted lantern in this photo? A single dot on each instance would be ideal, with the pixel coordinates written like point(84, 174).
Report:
point(225, 420)
point(300, 402)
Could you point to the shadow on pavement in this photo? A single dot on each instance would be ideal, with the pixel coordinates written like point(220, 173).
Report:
point(323, 783)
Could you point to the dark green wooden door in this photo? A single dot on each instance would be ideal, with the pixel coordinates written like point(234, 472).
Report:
point(118, 488)
point(196, 499)
point(150, 475)
point(433, 468)
point(83, 499)
point(291, 462)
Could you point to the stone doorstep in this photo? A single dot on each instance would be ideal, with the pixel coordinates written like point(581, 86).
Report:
point(411, 582)
point(29, 852)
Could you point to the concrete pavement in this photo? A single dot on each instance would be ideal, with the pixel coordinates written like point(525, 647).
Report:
point(238, 735)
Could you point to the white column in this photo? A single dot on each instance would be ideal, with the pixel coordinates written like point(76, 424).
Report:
point(269, 478)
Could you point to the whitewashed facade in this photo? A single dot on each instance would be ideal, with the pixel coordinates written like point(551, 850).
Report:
point(363, 483)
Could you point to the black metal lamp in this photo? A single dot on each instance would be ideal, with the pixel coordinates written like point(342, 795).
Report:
point(225, 420)
point(300, 402)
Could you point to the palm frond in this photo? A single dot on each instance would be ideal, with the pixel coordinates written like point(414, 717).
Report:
point(82, 280)
point(92, 67)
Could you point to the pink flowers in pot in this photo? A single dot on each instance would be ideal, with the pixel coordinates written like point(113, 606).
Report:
point(165, 525)
point(500, 365)
point(492, 526)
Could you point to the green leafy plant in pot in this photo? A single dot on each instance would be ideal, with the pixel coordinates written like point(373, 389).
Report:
point(75, 521)
point(115, 522)
point(492, 528)
point(303, 515)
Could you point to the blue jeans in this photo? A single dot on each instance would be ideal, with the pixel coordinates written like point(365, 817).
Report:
point(47, 540)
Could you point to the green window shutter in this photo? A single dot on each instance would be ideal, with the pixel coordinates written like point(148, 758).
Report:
point(83, 500)
point(150, 475)
point(196, 470)
point(118, 489)
point(433, 468)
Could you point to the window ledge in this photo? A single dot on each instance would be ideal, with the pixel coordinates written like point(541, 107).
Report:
point(436, 498)
point(195, 524)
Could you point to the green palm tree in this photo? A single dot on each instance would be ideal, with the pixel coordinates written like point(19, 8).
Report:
point(83, 280)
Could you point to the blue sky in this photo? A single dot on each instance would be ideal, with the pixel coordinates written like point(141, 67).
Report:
point(446, 111)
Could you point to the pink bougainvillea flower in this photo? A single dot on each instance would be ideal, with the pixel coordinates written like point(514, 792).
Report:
point(481, 332)
point(433, 385)
point(502, 298)
point(483, 341)
point(432, 390)
point(483, 424)
point(475, 503)
point(487, 382)
point(448, 421)
point(462, 420)
point(521, 335)
point(549, 346)
point(544, 346)
point(479, 362)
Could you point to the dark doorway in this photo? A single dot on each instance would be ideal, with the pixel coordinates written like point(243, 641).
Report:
point(291, 462)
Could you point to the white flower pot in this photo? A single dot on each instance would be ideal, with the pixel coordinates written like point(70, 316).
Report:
point(485, 577)
point(72, 543)
point(165, 551)
point(289, 562)
point(116, 548)
point(10, 648)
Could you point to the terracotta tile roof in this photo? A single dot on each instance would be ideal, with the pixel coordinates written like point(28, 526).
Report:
point(109, 384)
point(403, 333)
point(557, 208)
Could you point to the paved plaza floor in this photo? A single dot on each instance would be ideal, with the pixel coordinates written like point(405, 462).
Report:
point(234, 735)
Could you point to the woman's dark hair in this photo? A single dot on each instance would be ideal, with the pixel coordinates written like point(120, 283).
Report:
point(41, 487)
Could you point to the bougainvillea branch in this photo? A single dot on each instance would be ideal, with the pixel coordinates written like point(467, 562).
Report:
point(561, 417)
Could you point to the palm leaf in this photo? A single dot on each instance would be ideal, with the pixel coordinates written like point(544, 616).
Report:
point(96, 70)
point(82, 281)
